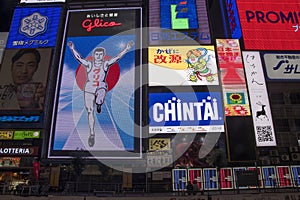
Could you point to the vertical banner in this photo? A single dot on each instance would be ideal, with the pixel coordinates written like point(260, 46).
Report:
point(261, 111)
point(182, 65)
point(210, 178)
point(226, 178)
point(127, 178)
point(235, 171)
point(34, 27)
point(232, 77)
point(284, 176)
point(36, 170)
point(269, 176)
point(295, 170)
point(99, 71)
point(195, 177)
point(179, 179)
point(260, 179)
point(24, 91)
point(54, 176)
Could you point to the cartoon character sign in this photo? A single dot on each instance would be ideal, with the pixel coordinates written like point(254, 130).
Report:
point(198, 65)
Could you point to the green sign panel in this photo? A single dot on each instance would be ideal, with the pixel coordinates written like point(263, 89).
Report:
point(21, 135)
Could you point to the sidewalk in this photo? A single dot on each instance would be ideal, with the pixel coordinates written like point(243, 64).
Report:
point(208, 196)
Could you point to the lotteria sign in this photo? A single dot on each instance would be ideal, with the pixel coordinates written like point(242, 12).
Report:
point(270, 25)
point(185, 112)
point(19, 151)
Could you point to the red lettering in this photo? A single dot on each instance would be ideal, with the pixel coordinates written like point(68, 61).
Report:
point(88, 24)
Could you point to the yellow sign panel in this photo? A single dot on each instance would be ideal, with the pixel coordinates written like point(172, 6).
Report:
point(6, 135)
point(159, 144)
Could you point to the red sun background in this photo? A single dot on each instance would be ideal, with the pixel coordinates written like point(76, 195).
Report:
point(111, 78)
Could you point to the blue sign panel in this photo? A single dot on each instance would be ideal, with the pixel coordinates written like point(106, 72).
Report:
point(179, 179)
point(178, 14)
point(296, 175)
point(34, 27)
point(270, 178)
point(185, 112)
point(210, 179)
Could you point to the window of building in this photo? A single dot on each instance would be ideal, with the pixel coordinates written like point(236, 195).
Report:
point(277, 98)
point(281, 125)
point(295, 98)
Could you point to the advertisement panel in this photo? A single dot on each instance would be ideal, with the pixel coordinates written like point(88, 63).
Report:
point(282, 66)
point(260, 180)
point(3, 40)
point(26, 134)
point(232, 77)
point(6, 135)
point(10, 161)
point(179, 179)
point(261, 111)
point(159, 159)
point(226, 178)
point(177, 21)
point(210, 178)
point(185, 112)
point(284, 176)
point(195, 177)
point(34, 27)
point(235, 171)
point(182, 65)
point(96, 95)
point(19, 151)
point(157, 144)
point(269, 176)
point(295, 170)
point(233, 19)
point(24, 91)
point(270, 25)
point(42, 1)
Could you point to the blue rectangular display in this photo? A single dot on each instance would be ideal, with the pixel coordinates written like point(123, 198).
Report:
point(270, 177)
point(210, 179)
point(186, 112)
point(34, 27)
point(179, 179)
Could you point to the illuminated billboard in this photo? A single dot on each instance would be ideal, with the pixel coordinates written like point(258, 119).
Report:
point(270, 25)
point(234, 87)
point(233, 19)
point(42, 1)
point(182, 65)
point(178, 21)
point(261, 111)
point(3, 39)
point(282, 66)
point(24, 78)
point(185, 112)
point(34, 27)
point(96, 93)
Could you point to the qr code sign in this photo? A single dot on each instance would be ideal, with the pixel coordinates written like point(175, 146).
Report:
point(264, 133)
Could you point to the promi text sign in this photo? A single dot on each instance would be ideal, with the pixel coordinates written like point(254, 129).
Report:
point(265, 18)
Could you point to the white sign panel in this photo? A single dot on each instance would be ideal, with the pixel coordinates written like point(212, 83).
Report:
point(282, 65)
point(261, 113)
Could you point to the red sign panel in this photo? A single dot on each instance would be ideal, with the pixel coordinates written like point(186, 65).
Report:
point(269, 24)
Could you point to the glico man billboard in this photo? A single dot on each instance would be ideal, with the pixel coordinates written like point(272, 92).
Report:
point(270, 25)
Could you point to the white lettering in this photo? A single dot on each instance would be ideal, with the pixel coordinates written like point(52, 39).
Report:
point(176, 110)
